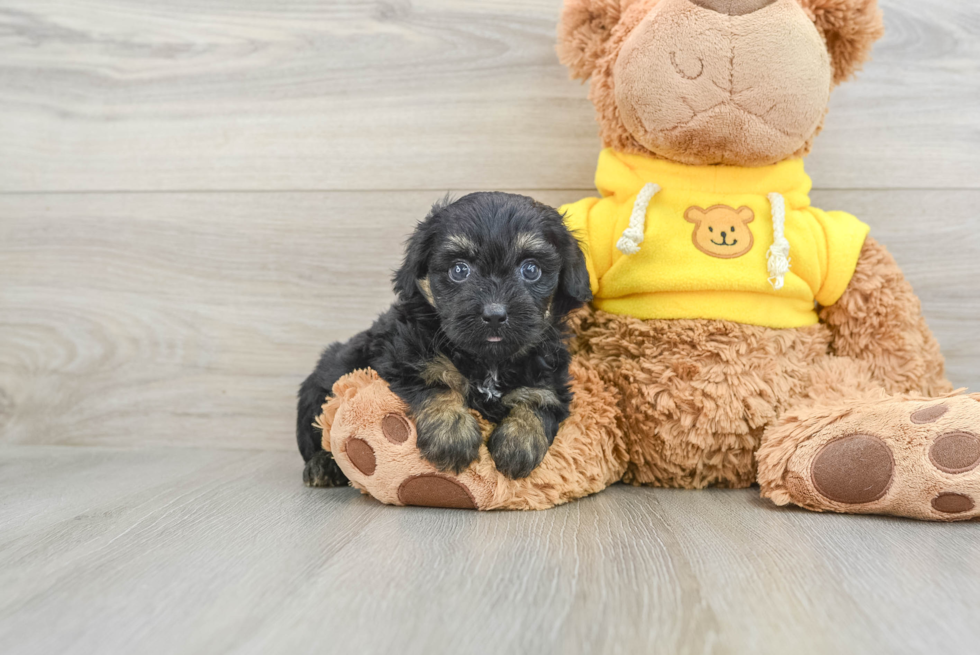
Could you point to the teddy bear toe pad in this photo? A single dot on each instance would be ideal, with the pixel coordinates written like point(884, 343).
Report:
point(430, 490)
point(915, 458)
point(396, 428)
point(955, 452)
point(854, 469)
point(361, 455)
point(374, 443)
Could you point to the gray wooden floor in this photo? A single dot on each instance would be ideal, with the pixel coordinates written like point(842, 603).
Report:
point(200, 551)
point(195, 197)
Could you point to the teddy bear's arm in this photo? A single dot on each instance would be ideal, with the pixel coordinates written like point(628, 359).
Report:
point(879, 320)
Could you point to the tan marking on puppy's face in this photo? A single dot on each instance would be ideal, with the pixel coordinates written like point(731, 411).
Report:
point(721, 231)
point(461, 244)
point(528, 241)
point(426, 288)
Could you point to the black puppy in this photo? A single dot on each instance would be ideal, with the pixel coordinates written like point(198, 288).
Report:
point(485, 286)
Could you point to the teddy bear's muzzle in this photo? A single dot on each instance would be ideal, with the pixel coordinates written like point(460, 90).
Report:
point(706, 86)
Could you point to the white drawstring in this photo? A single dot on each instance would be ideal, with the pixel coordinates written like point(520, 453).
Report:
point(778, 254)
point(629, 243)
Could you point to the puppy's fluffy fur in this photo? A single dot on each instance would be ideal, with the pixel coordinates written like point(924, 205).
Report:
point(485, 286)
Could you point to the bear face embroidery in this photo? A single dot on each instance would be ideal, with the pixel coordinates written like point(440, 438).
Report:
point(721, 231)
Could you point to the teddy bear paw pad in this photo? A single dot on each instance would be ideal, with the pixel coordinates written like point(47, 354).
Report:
point(955, 452)
point(361, 455)
point(950, 503)
point(913, 458)
point(396, 428)
point(854, 469)
point(435, 491)
point(929, 414)
point(375, 444)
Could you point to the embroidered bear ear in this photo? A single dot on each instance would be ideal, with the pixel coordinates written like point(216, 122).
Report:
point(583, 31)
point(849, 28)
point(745, 214)
point(695, 214)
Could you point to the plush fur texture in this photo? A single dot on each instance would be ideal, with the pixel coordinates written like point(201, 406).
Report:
point(482, 295)
point(849, 28)
point(742, 90)
point(879, 320)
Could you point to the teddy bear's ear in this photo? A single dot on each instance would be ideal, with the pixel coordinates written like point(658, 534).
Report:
point(850, 28)
point(745, 214)
point(583, 30)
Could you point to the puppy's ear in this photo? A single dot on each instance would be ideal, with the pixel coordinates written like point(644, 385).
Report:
point(850, 28)
point(583, 30)
point(573, 284)
point(418, 248)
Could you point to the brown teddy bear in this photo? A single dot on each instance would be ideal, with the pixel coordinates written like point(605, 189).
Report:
point(738, 335)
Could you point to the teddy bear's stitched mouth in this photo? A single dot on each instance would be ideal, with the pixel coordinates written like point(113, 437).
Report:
point(729, 104)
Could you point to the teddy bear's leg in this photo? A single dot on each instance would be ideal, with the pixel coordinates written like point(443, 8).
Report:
point(695, 395)
point(850, 447)
point(879, 320)
point(373, 440)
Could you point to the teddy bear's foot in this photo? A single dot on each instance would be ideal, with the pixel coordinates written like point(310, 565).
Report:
point(374, 443)
point(918, 458)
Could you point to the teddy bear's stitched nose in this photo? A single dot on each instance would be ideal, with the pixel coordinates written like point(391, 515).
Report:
point(733, 7)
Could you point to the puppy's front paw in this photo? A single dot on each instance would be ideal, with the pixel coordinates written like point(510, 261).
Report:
point(323, 471)
point(449, 436)
point(519, 443)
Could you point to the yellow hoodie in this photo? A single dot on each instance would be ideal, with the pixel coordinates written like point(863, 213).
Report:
point(673, 241)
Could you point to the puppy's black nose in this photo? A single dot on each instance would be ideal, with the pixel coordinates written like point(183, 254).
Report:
point(494, 315)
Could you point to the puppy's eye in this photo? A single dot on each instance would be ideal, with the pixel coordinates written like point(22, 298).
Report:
point(459, 271)
point(530, 271)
